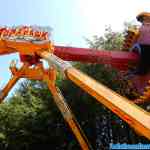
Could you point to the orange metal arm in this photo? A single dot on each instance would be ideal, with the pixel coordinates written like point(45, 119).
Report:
point(11, 82)
point(8, 87)
point(135, 116)
point(49, 76)
point(25, 48)
point(125, 109)
point(67, 113)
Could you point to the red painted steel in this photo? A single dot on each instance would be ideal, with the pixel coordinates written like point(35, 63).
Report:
point(118, 59)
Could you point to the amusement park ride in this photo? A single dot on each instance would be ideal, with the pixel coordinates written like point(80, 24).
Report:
point(34, 45)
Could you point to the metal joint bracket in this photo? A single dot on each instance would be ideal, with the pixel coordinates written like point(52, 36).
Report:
point(53, 60)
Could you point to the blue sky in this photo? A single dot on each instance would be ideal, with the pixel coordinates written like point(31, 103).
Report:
point(71, 20)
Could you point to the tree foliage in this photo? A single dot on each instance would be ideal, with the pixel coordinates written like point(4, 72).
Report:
point(109, 41)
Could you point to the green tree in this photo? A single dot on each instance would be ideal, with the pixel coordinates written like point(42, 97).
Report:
point(109, 41)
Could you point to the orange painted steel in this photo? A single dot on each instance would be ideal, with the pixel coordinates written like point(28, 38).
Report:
point(49, 76)
point(67, 114)
point(24, 48)
point(143, 15)
point(135, 116)
point(12, 82)
point(145, 97)
point(8, 87)
point(130, 38)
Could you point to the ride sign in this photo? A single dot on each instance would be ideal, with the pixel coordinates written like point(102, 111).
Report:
point(28, 33)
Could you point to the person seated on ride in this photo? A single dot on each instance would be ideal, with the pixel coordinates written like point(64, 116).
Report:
point(142, 44)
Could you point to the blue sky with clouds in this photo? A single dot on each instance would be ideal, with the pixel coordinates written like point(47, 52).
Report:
point(71, 20)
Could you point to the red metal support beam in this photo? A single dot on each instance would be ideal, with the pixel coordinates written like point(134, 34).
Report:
point(118, 59)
